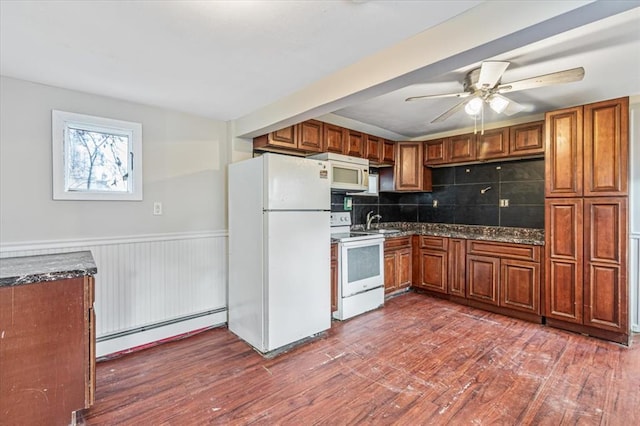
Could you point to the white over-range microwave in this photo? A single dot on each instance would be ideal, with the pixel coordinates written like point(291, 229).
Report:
point(347, 173)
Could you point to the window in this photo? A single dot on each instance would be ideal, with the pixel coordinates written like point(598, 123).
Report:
point(96, 158)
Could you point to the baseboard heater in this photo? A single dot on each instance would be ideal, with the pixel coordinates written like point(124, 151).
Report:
point(137, 338)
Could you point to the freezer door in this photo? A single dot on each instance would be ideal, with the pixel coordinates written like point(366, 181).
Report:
point(294, 183)
point(298, 270)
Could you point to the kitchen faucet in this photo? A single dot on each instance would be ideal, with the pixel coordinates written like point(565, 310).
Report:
point(370, 217)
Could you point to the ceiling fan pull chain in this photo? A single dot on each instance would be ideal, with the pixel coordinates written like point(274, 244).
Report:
point(482, 120)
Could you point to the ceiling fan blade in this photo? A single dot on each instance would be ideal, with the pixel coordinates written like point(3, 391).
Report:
point(566, 76)
point(446, 95)
point(490, 73)
point(448, 113)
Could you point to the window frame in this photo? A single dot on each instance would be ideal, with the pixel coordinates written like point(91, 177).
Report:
point(60, 122)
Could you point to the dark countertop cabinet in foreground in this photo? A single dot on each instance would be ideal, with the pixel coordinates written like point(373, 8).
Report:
point(47, 324)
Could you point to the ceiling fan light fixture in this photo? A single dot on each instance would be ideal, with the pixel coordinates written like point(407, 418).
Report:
point(473, 107)
point(498, 104)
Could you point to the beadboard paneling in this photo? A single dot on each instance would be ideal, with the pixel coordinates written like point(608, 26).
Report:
point(634, 281)
point(150, 282)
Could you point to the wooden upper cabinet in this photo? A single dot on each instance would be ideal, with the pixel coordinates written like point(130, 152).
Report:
point(305, 136)
point(374, 146)
point(388, 152)
point(493, 144)
point(462, 148)
point(282, 138)
point(309, 135)
point(334, 138)
point(435, 152)
point(527, 139)
point(408, 172)
point(408, 168)
point(354, 143)
point(606, 147)
point(563, 153)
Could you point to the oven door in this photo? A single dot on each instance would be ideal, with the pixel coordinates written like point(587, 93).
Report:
point(362, 266)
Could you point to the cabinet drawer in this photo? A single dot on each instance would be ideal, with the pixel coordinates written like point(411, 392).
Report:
point(507, 250)
point(334, 252)
point(397, 242)
point(437, 243)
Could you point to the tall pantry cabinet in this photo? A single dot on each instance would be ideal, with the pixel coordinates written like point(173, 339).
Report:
point(586, 226)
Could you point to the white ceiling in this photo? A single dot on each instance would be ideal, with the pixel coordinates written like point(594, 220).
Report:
point(233, 60)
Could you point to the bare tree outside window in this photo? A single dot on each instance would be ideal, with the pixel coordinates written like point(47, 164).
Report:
point(97, 161)
point(95, 158)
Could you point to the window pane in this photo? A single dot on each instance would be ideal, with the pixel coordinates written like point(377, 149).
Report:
point(97, 161)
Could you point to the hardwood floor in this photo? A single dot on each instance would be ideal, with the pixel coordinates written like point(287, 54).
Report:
point(419, 360)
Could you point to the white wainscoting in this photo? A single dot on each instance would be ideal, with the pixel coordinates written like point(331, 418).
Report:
point(634, 281)
point(150, 287)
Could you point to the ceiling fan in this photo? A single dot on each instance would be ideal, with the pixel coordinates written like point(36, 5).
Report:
point(483, 85)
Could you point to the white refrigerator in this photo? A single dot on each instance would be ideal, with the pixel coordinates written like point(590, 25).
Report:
point(279, 250)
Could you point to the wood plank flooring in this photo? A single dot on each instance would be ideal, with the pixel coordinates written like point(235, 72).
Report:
point(419, 360)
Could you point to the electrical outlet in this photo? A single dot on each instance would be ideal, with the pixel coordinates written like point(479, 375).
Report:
point(435, 203)
point(157, 208)
point(504, 202)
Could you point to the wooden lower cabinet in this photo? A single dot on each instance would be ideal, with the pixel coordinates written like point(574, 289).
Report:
point(397, 264)
point(456, 257)
point(47, 354)
point(586, 280)
point(483, 274)
point(334, 277)
point(430, 263)
point(520, 285)
point(505, 275)
point(433, 270)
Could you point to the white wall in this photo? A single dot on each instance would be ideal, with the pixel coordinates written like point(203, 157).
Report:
point(151, 269)
point(634, 212)
point(184, 161)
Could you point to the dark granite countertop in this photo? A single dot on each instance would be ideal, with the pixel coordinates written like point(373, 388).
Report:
point(503, 234)
point(47, 267)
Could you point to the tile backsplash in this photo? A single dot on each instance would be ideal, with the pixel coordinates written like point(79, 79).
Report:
point(460, 199)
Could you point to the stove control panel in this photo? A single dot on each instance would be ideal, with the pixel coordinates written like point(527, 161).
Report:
point(340, 219)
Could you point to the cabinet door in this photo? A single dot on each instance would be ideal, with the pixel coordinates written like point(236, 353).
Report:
point(462, 148)
point(390, 272)
point(563, 270)
point(606, 147)
point(404, 265)
point(563, 153)
point(309, 134)
point(526, 139)
point(408, 168)
point(605, 279)
point(373, 145)
point(493, 144)
point(333, 139)
point(388, 152)
point(433, 270)
point(457, 267)
point(520, 285)
point(483, 275)
point(354, 143)
point(285, 138)
point(435, 152)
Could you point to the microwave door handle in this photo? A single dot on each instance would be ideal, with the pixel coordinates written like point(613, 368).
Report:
point(365, 178)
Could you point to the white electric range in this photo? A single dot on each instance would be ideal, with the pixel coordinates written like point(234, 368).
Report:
point(360, 268)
